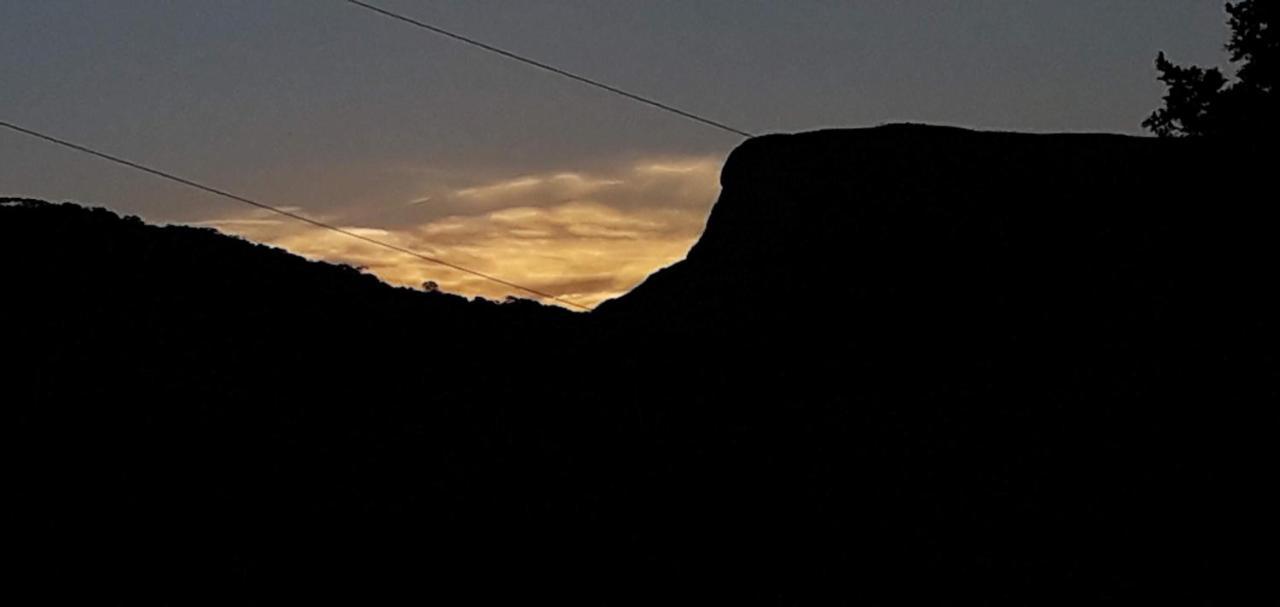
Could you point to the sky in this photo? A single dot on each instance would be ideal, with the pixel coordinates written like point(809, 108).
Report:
point(348, 117)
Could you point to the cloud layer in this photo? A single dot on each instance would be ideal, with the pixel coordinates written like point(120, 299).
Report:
point(581, 237)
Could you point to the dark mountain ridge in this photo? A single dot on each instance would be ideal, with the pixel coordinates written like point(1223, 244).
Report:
point(904, 364)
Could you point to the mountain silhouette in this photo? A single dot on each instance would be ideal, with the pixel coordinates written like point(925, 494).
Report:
point(903, 365)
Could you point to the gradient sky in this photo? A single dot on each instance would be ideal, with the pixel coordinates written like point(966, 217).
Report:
point(358, 120)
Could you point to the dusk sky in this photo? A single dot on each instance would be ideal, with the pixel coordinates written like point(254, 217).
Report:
point(358, 120)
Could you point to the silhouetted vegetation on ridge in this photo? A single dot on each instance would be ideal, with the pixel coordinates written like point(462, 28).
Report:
point(903, 365)
point(1203, 102)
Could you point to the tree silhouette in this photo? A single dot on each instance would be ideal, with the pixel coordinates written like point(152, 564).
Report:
point(1201, 102)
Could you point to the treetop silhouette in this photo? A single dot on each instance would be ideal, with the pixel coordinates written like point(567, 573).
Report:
point(1203, 102)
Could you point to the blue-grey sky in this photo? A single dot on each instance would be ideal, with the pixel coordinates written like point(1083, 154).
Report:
point(357, 119)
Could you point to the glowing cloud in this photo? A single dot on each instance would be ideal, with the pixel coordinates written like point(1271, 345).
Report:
point(585, 238)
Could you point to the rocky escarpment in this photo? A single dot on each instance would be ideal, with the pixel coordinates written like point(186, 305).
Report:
point(820, 220)
point(1051, 349)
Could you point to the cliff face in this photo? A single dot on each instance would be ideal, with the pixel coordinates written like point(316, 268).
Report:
point(822, 220)
point(1001, 266)
point(903, 364)
point(1080, 321)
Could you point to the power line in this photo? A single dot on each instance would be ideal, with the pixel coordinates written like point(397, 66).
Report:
point(280, 211)
point(550, 68)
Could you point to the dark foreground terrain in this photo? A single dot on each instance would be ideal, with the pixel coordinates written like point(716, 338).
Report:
point(904, 365)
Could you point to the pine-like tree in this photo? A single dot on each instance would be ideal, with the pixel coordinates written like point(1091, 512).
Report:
point(1201, 102)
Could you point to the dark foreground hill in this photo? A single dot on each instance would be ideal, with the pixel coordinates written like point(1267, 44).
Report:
point(904, 365)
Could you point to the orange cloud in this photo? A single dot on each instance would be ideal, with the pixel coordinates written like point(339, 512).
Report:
point(585, 238)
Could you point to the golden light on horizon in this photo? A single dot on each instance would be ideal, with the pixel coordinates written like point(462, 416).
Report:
point(581, 237)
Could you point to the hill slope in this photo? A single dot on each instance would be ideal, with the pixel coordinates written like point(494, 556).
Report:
point(905, 364)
